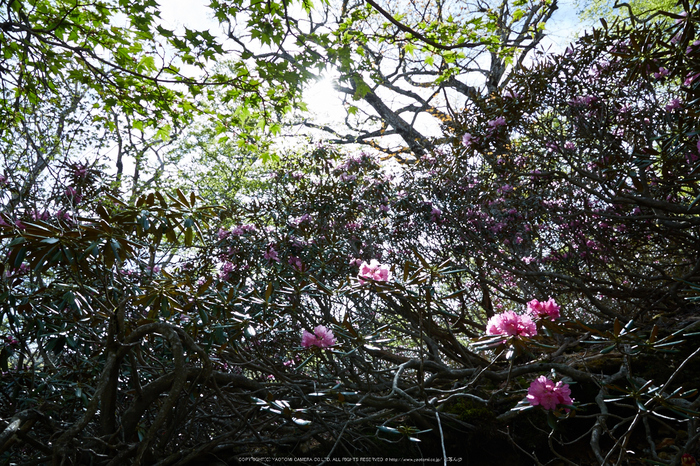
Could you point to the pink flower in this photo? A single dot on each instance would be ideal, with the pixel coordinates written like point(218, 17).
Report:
point(690, 79)
point(546, 393)
point(271, 255)
point(356, 262)
point(583, 100)
point(500, 121)
point(63, 215)
point(80, 171)
point(511, 324)
point(295, 262)
point(223, 234)
point(73, 194)
point(40, 216)
point(322, 337)
point(661, 73)
point(495, 124)
point(673, 105)
point(374, 271)
point(547, 308)
point(243, 229)
point(226, 270)
point(23, 269)
point(468, 140)
point(551, 146)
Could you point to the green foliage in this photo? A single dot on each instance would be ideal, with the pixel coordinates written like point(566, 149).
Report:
point(595, 9)
point(129, 63)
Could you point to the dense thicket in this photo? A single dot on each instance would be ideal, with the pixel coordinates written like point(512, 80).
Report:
point(331, 307)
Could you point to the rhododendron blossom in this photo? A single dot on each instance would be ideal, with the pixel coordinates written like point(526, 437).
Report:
point(63, 215)
point(71, 193)
point(468, 140)
point(226, 270)
point(271, 255)
point(511, 324)
point(375, 271)
point(663, 72)
point(494, 124)
point(544, 392)
point(544, 309)
point(240, 230)
point(673, 105)
point(690, 78)
point(356, 262)
point(296, 263)
point(80, 171)
point(322, 337)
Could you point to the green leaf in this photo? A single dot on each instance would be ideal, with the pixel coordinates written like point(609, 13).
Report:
point(607, 350)
point(361, 90)
point(19, 258)
point(389, 430)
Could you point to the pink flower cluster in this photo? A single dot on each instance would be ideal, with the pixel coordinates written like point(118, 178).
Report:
point(546, 393)
point(271, 255)
point(73, 195)
point(322, 337)
point(243, 229)
point(673, 105)
point(496, 123)
point(226, 270)
point(583, 100)
point(80, 171)
point(295, 262)
point(468, 140)
point(23, 269)
point(544, 309)
point(511, 324)
point(373, 271)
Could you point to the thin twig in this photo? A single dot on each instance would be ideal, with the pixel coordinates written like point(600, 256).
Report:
point(442, 439)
